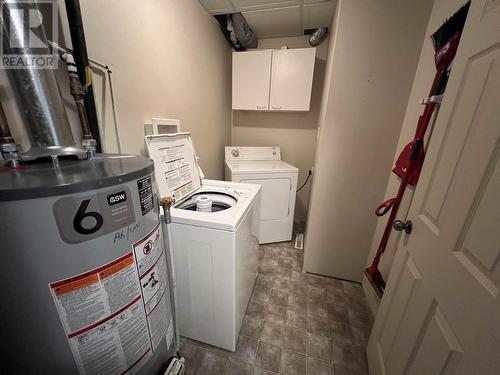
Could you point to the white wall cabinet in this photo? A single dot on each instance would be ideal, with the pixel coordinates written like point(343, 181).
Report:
point(273, 80)
point(291, 79)
point(251, 77)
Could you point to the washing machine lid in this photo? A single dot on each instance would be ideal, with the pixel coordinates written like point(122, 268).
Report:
point(260, 166)
point(176, 168)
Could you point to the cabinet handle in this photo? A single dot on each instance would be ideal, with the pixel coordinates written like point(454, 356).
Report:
point(261, 107)
point(275, 107)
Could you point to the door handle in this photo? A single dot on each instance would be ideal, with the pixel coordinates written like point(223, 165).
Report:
point(401, 225)
point(276, 107)
point(261, 107)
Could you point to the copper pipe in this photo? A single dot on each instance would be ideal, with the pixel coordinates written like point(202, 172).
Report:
point(5, 135)
point(78, 93)
point(84, 120)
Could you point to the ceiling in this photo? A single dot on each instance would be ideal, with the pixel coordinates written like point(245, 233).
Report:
point(277, 18)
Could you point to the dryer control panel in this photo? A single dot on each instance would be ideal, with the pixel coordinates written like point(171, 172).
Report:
point(252, 153)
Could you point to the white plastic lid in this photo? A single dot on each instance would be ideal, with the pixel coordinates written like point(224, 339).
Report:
point(260, 166)
point(176, 169)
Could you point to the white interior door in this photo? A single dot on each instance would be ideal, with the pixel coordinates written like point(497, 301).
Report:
point(440, 313)
point(251, 78)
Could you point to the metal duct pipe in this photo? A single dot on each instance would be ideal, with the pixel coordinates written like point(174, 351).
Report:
point(74, 15)
point(317, 36)
point(37, 96)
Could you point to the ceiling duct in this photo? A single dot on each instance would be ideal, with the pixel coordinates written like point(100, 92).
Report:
point(237, 31)
point(317, 36)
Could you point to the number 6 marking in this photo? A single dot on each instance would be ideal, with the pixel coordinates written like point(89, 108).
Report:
point(81, 214)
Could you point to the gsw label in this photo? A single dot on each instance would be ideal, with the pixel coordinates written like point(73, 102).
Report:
point(117, 198)
point(82, 217)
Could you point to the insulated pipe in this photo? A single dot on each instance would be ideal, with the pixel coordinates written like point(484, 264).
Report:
point(37, 95)
point(82, 62)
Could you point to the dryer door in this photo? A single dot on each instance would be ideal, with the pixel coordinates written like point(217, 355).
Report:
point(275, 198)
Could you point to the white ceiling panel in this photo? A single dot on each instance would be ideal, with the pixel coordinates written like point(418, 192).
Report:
point(275, 22)
point(317, 1)
point(245, 5)
point(277, 18)
point(218, 6)
point(318, 15)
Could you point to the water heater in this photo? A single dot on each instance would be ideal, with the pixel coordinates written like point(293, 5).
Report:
point(84, 280)
point(84, 285)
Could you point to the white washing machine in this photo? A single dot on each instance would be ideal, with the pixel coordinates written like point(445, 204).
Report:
point(214, 229)
point(263, 166)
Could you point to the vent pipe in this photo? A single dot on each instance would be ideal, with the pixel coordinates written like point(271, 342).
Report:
point(37, 94)
point(317, 36)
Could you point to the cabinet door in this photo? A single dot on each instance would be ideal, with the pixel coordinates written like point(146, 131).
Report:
point(251, 76)
point(291, 79)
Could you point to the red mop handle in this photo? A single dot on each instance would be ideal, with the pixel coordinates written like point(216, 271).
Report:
point(393, 203)
point(443, 58)
point(384, 207)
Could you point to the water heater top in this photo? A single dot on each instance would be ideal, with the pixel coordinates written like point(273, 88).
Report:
point(42, 179)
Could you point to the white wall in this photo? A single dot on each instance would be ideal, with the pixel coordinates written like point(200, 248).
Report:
point(424, 76)
point(294, 132)
point(375, 54)
point(169, 59)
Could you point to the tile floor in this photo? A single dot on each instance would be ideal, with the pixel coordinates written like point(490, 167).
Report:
point(295, 324)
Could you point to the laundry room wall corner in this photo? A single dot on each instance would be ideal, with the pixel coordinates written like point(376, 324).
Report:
point(360, 121)
point(169, 60)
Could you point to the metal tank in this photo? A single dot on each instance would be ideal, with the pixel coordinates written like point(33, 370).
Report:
point(84, 281)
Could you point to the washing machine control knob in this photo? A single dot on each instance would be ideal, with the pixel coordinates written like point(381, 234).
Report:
point(235, 153)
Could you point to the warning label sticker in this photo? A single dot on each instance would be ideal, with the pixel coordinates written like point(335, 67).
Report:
point(145, 189)
point(152, 269)
point(115, 315)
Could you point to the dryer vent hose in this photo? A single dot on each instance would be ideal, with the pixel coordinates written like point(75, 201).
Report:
point(317, 36)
